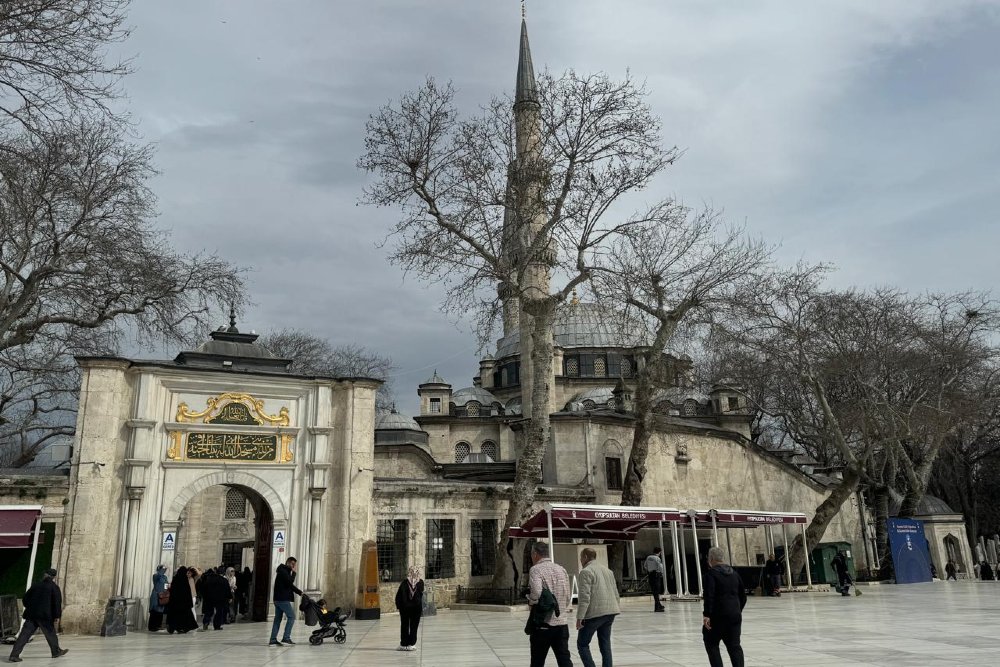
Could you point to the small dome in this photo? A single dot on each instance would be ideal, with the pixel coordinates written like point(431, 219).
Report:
point(928, 506)
point(478, 394)
point(393, 421)
point(584, 325)
point(592, 399)
point(435, 379)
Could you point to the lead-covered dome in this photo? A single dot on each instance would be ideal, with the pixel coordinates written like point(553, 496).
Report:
point(584, 325)
point(469, 394)
point(393, 421)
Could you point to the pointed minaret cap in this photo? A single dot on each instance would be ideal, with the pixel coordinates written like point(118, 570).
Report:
point(526, 89)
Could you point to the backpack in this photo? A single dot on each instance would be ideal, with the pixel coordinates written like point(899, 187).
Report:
point(540, 611)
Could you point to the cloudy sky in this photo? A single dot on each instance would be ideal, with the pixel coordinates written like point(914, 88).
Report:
point(855, 132)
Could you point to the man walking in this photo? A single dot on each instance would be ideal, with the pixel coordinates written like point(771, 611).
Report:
point(839, 564)
point(596, 608)
point(42, 608)
point(657, 576)
point(216, 596)
point(722, 618)
point(548, 586)
point(951, 570)
point(284, 596)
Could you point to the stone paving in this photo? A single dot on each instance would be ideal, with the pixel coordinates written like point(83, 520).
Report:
point(954, 623)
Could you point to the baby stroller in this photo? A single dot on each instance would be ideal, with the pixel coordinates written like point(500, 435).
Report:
point(331, 623)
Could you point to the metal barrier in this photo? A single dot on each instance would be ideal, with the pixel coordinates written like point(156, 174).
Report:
point(485, 595)
point(635, 587)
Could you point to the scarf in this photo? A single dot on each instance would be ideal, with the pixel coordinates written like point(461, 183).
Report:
point(413, 577)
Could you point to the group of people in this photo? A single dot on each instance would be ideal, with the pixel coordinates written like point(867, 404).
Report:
point(598, 604)
point(223, 594)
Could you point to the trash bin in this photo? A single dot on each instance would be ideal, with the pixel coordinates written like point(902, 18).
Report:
point(115, 618)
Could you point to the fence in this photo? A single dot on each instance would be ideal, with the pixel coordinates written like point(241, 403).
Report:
point(485, 595)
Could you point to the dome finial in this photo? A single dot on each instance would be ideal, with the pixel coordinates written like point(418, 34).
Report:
point(393, 408)
point(232, 318)
point(524, 12)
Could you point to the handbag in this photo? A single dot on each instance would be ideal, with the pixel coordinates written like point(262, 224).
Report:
point(163, 597)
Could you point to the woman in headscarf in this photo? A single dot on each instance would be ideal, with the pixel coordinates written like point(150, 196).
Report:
point(410, 603)
point(156, 609)
point(179, 616)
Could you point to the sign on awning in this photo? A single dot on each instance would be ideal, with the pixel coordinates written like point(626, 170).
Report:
point(17, 525)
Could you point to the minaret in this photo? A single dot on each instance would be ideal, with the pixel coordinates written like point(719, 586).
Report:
point(525, 214)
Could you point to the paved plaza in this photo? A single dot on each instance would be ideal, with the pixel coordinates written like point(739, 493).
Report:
point(921, 624)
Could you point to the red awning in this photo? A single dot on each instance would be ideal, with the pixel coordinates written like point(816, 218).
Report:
point(614, 522)
point(17, 525)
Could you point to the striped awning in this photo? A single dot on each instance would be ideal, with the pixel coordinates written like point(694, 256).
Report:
point(17, 525)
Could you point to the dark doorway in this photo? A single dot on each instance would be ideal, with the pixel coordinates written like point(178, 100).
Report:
point(260, 602)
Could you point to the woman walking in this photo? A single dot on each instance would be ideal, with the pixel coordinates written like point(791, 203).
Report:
point(231, 578)
point(410, 603)
point(180, 617)
point(156, 606)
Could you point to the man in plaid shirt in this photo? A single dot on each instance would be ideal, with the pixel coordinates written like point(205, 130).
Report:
point(554, 632)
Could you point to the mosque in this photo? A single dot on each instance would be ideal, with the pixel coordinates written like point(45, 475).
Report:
point(223, 455)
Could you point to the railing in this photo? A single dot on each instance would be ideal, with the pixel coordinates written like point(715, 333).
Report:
point(635, 587)
point(485, 595)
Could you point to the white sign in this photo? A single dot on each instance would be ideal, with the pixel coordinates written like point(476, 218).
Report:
point(169, 541)
point(279, 538)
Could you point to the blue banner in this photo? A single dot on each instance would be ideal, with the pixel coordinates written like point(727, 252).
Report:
point(911, 557)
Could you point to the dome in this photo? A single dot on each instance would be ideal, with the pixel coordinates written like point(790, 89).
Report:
point(478, 394)
point(584, 325)
point(393, 421)
point(435, 379)
point(928, 506)
point(592, 399)
point(228, 348)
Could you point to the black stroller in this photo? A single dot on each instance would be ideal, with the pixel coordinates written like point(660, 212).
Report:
point(331, 623)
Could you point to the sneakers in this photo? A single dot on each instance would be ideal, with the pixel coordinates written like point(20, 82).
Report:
point(287, 642)
point(406, 648)
point(14, 658)
point(61, 653)
point(274, 642)
point(660, 609)
point(411, 647)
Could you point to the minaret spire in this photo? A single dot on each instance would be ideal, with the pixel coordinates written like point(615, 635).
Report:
point(525, 90)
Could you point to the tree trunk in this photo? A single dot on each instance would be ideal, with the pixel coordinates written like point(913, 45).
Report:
point(536, 434)
point(824, 514)
point(881, 504)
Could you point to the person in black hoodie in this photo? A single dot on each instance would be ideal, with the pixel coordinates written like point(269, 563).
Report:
point(725, 597)
point(215, 596)
point(42, 608)
point(284, 596)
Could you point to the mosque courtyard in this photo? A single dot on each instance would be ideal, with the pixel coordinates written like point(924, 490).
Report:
point(953, 623)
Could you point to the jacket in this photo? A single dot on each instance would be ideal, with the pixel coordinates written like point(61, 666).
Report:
point(653, 563)
point(410, 601)
point(215, 589)
point(839, 564)
point(284, 584)
point(43, 601)
point(725, 594)
point(598, 592)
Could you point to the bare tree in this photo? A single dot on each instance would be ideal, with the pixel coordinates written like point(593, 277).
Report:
point(681, 269)
point(53, 59)
point(313, 355)
point(518, 197)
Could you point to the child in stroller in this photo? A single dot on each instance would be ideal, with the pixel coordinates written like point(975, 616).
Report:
point(331, 624)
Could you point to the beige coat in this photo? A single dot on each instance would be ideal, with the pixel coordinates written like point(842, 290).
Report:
point(598, 592)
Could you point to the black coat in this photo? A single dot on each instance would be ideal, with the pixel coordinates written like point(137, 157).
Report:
point(284, 584)
point(215, 589)
point(725, 595)
point(839, 564)
point(43, 602)
point(410, 600)
point(180, 615)
point(243, 580)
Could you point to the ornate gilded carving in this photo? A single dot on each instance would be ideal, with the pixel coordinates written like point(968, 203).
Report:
point(215, 411)
point(286, 449)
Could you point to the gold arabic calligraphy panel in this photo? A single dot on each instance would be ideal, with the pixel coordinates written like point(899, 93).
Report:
point(236, 409)
point(231, 447)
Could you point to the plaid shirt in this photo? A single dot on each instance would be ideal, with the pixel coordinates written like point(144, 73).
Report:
point(546, 574)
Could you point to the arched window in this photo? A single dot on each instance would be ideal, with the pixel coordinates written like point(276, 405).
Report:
point(611, 404)
point(462, 450)
point(236, 504)
point(589, 405)
point(491, 449)
point(625, 367)
point(472, 409)
point(600, 367)
point(690, 407)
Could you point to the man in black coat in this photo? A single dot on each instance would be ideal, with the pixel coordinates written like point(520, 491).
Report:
point(216, 595)
point(725, 597)
point(839, 564)
point(42, 608)
point(284, 595)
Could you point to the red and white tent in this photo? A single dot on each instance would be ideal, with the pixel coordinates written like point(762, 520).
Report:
point(20, 528)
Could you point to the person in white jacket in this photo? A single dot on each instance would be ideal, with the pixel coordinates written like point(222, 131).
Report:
point(596, 609)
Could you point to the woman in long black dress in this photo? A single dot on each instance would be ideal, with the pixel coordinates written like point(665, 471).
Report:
point(180, 618)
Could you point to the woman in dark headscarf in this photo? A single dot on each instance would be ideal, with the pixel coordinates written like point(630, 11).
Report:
point(243, 581)
point(180, 618)
point(156, 609)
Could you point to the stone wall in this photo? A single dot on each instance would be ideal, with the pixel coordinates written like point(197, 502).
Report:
point(204, 529)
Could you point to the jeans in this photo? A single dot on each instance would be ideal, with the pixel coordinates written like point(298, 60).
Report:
point(555, 637)
point(726, 630)
point(602, 626)
point(47, 628)
point(288, 611)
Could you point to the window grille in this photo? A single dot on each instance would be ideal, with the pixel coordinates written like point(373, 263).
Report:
point(690, 407)
point(613, 473)
point(572, 367)
point(600, 367)
point(484, 546)
point(232, 554)
point(391, 545)
point(236, 504)
point(440, 556)
point(625, 367)
point(472, 409)
point(462, 450)
point(435, 405)
point(491, 449)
